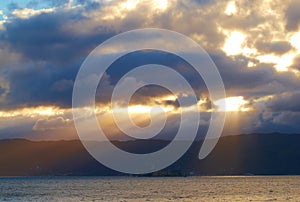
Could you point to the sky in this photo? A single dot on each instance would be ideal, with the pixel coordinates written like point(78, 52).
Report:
point(254, 44)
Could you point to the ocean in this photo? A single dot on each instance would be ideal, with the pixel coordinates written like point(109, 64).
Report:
point(214, 188)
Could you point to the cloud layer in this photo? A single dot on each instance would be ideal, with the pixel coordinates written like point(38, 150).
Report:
point(42, 46)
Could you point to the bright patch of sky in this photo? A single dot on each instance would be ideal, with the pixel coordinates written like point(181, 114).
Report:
point(7, 7)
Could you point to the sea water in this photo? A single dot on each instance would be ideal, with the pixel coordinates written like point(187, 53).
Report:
point(241, 188)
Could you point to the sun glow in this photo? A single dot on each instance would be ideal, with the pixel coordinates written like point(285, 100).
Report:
point(33, 112)
point(121, 8)
point(231, 8)
point(143, 109)
point(233, 44)
point(281, 62)
point(156, 4)
point(129, 4)
point(139, 109)
point(160, 4)
point(295, 41)
point(232, 104)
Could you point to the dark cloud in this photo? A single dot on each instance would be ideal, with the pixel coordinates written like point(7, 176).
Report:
point(2, 90)
point(50, 84)
point(282, 122)
point(51, 57)
point(173, 103)
point(205, 2)
point(296, 63)
point(207, 104)
point(277, 47)
point(236, 75)
point(45, 37)
point(288, 118)
point(292, 16)
point(238, 79)
point(62, 85)
point(150, 93)
point(252, 82)
point(285, 102)
point(39, 84)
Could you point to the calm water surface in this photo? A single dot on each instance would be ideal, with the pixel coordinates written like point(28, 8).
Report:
point(285, 188)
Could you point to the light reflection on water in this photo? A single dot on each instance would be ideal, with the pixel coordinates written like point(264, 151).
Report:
point(254, 188)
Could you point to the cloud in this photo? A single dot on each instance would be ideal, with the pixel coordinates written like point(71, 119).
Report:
point(261, 80)
point(62, 85)
point(150, 94)
point(288, 118)
point(52, 123)
point(237, 76)
point(282, 122)
point(40, 65)
point(34, 85)
point(26, 13)
point(275, 47)
point(286, 102)
point(8, 57)
point(292, 16)
point(41, 52)
point(2, 90)
point(296, 63)
point(52, 43)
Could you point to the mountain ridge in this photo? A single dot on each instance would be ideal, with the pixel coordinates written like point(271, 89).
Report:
point(258, 154)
